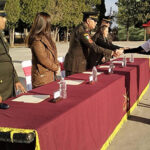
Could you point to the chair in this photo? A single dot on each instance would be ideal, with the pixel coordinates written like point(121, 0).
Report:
point(61, 62)
point(26, 66)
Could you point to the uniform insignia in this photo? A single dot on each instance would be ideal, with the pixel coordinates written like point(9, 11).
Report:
point(90, 40)
point(86, 35)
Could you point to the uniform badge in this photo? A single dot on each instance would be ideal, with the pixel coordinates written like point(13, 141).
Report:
point(86, 35)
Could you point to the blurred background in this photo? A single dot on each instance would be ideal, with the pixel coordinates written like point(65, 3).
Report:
point(128, 17)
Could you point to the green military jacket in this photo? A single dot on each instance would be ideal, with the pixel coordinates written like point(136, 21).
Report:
point(8, 76)
point(80, 43)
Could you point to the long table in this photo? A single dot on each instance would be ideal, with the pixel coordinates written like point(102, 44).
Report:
point(85, 120)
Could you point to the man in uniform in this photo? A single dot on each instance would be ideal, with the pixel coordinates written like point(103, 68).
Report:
point(80, 43)
point(8, 76)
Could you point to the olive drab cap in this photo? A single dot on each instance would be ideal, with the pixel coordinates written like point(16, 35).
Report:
point(107, 19)
point(2, 6)
point(91, 15)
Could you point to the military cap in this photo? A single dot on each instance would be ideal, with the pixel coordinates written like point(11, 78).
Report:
point(92, 15)
point(107, 19)
point(2, 6)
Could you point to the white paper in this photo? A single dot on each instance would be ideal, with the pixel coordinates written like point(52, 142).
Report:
point(90, 72)
point(74, 82)
point(106, 66)
point(117, 62)
point(31, 98)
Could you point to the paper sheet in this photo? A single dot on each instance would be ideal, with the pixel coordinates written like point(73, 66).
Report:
point(90, 72)
point(106, 66)
point(74, 82)
point(31, 98)
point(117, 62)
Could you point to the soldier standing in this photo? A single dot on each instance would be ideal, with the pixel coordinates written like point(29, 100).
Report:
point(8, 76)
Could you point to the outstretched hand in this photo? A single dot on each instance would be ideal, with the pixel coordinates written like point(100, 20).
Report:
point(118, 52)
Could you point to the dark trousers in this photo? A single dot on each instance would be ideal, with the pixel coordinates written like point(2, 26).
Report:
point(69, 73)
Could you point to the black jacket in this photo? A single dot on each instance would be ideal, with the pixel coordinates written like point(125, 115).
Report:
point(94, 58)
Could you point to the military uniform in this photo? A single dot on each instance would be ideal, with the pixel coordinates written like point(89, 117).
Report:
point(8, 76)
point(80, 42)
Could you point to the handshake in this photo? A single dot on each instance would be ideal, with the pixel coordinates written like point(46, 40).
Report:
point(119, 51)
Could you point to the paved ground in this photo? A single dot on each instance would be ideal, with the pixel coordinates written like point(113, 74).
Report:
point(135, 133)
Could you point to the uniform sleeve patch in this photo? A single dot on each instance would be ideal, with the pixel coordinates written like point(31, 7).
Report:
point(87, 36)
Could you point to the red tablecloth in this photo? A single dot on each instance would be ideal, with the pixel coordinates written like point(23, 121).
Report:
point(130, 74)
point(143, 72)
point(83, 121)
point(86, 118)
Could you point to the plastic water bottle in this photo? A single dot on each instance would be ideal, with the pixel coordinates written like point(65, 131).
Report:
point(132, 58)
point(124, 64)
point(63, 88)
point(111, 68)
point(94, 74)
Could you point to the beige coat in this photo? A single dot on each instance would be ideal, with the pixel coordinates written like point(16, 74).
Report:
point(44, 62)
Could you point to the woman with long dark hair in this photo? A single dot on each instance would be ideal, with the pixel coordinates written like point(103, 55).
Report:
point(44, 53)
point(101, 39)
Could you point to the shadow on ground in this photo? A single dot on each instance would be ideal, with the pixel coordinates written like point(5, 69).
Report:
point(139, 119)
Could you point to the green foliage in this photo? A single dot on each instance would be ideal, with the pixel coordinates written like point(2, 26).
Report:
point(72, 13)
point(12, 8)
point(121, 33)
point(135, 34)
point(142, 11)
point(29, 9)
point(68, 13)
point(64, 13)
point(54, 8)
point(132, 12)
point(126, 12)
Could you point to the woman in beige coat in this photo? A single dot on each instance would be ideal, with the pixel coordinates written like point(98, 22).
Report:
point(44, 53)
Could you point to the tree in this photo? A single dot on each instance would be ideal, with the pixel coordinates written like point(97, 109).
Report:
point(101, 9)
point(29, 9)
point(66, 13)
point(13, 14)
point(142, 9)
point(126, 14)
point(54, 8)
point(72, 14)
point(132, 12)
